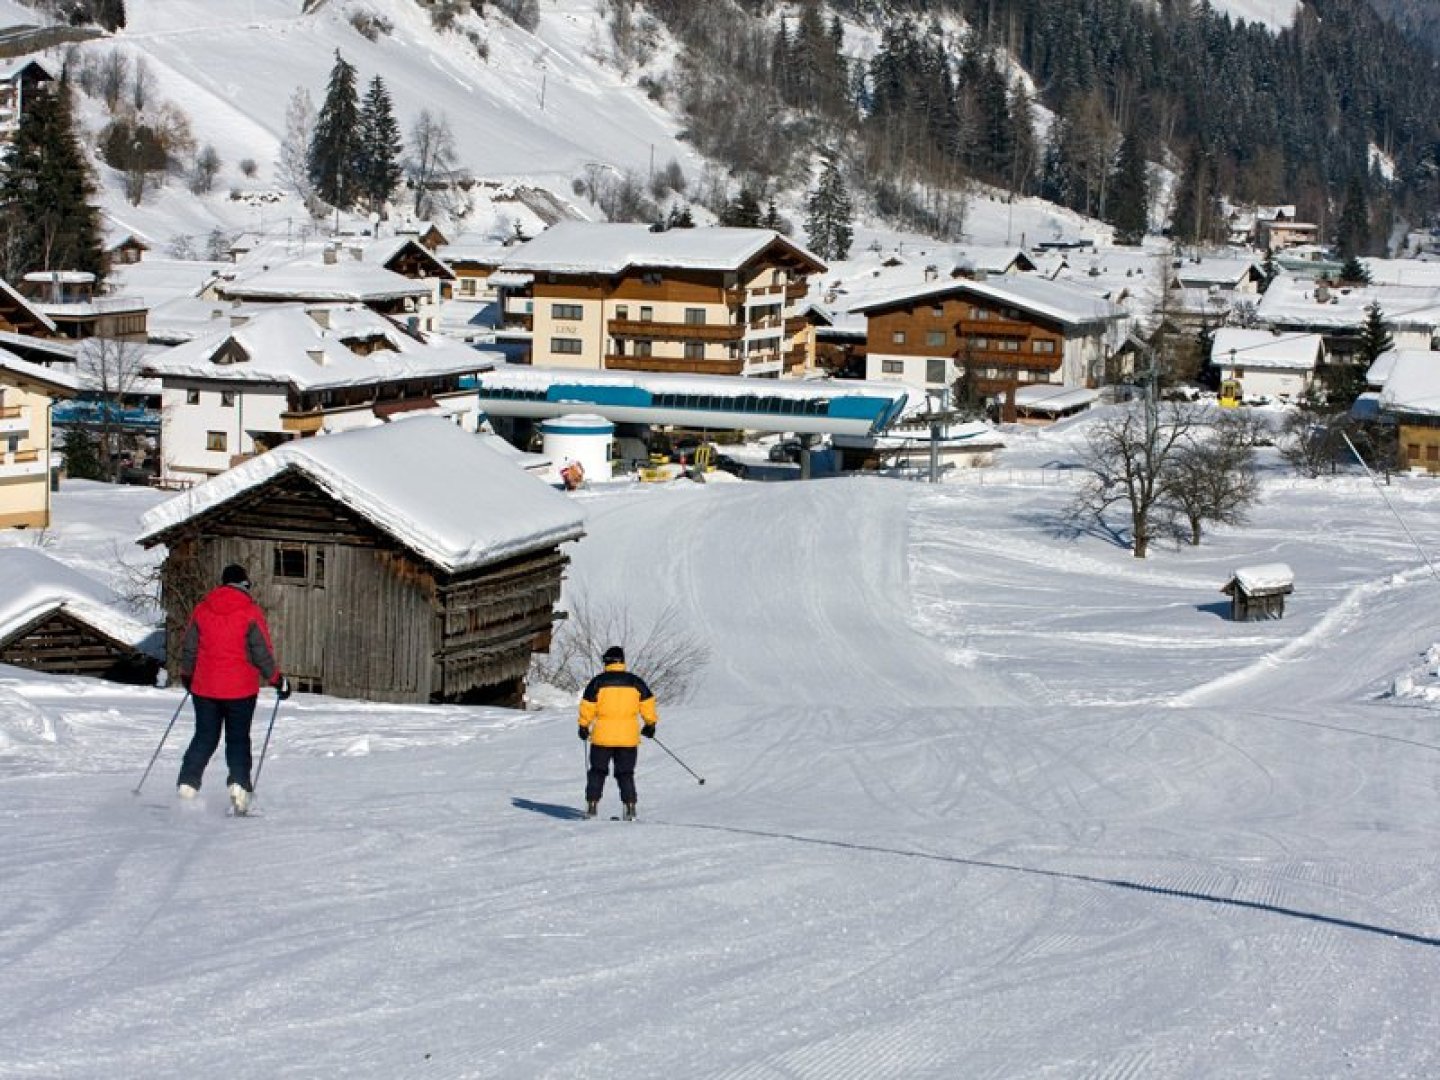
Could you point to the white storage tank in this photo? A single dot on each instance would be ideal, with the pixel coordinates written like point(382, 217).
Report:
point(580, 439)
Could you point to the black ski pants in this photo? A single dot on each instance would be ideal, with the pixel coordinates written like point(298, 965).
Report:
point(601, 758)
point(212, 715)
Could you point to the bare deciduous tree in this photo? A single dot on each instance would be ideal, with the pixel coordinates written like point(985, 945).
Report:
point(110, 369)
point(292, 167)
point(661, 650)
point(1129, 457)
point(432, 162)
point(204, 171)
point(1211, 478)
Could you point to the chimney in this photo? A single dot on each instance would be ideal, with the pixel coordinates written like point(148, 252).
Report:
point(318, 356)
point(357, 253)
point(1322, 293)
point(321, 317)
point(330, 255)
point(238, 320)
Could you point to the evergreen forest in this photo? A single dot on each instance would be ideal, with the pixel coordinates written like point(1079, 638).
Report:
point(1336, 114)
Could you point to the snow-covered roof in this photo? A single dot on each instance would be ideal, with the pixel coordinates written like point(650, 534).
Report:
point(1045, 398)
point(33, 585)
point(1210, 271)
point(27, 304)
point(1059, 301)
point(1266, 577)
point(306, 347)
point(1378, 374)
point(1292, 300)
point(354, 270)
point(1264, 349)
point(1413, 385)
point(437, 490)
point(533, 377)
point(588, 247)
point(59, 380)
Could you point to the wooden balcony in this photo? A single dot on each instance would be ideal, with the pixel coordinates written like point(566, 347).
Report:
point(675, 365)
point(665, 331)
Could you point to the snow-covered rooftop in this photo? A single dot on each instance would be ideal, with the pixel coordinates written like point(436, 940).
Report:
point(439, 491)
point(1413, 384)
point(354, 270)
point(1064, 303)
point(306, 347)
point(33, 585)
point(1265, 577)
point(61, 380)
point(1264, 349)
point(587, 247)
point(1292, 300)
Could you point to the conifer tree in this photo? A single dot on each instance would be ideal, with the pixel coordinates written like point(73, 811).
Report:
point(379, 148)
point(48, 222)
point(829, 215)
point(1128, 200)
point(334, 143)
point(744, 211)
point(1352, 233)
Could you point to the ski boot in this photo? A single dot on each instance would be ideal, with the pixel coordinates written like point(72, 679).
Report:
point(239, 800)
point(629, 811)
point(592, 807)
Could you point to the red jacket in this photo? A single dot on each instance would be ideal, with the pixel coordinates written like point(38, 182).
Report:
point(227, 647)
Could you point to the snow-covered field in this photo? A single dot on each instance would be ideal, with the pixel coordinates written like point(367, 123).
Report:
point(982, 800)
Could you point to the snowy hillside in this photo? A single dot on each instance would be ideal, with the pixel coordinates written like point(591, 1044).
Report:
point(537, 110)
point(982, 799)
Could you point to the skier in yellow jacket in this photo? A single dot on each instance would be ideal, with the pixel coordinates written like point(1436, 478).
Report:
point(615, 710)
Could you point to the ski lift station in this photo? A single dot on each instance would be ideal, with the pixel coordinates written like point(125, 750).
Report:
point(519, 392)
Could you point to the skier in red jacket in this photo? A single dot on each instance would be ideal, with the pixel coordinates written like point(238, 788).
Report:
point(225, 653)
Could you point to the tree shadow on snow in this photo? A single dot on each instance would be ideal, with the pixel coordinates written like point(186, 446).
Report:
point(555, 810)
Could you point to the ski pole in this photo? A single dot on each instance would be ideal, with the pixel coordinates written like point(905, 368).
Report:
point(156, 755)
point(255, 780)
point(656, 740)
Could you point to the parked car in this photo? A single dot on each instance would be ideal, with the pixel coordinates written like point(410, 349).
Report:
point(786, 450)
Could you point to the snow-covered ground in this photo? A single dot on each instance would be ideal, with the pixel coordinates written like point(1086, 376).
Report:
point(982, 799)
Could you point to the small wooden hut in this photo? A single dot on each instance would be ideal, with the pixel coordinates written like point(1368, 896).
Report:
point(57, 620)
point(407, 562)
point(1258, 592)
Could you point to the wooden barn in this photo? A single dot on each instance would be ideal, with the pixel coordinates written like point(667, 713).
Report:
point(1258, 592)
point(406, 563)
point(57, 620)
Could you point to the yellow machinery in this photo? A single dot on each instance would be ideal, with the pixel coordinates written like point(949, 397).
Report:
point(1230, 394)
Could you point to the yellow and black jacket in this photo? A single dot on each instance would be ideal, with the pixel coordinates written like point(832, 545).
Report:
point(615, 703)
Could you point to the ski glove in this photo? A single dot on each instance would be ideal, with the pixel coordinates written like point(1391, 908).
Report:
point(648, 731)
point(282, 688)
point(584, 734)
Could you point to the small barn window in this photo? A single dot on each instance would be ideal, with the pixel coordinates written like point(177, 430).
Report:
point(292, 562)
point(215, 440)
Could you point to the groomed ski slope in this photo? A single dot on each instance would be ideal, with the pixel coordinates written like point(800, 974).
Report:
point(983, 799)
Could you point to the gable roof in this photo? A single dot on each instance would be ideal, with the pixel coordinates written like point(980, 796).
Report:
point(1263, 349)
point(1413, 384)
point(292, 344)
point(57, 383)
point(588, 247)
point(34, 585)
point(435, 489)
point(1061, 302)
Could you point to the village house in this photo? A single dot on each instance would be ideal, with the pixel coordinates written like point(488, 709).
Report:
point(57, 620)
point(1266, 364)
point(397, 277)
point(290, 371)
point(1203, 292)
point(404, 563)
point(20, 80)
point(1008, 332)
point(711, 301)
point(27, 394)
point(72, 301)
point(1277, 228)
point(1294, 304)
point(1410, 397)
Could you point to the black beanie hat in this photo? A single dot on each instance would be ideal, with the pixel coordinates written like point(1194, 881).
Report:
point(234, 574)
point(614, 655)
